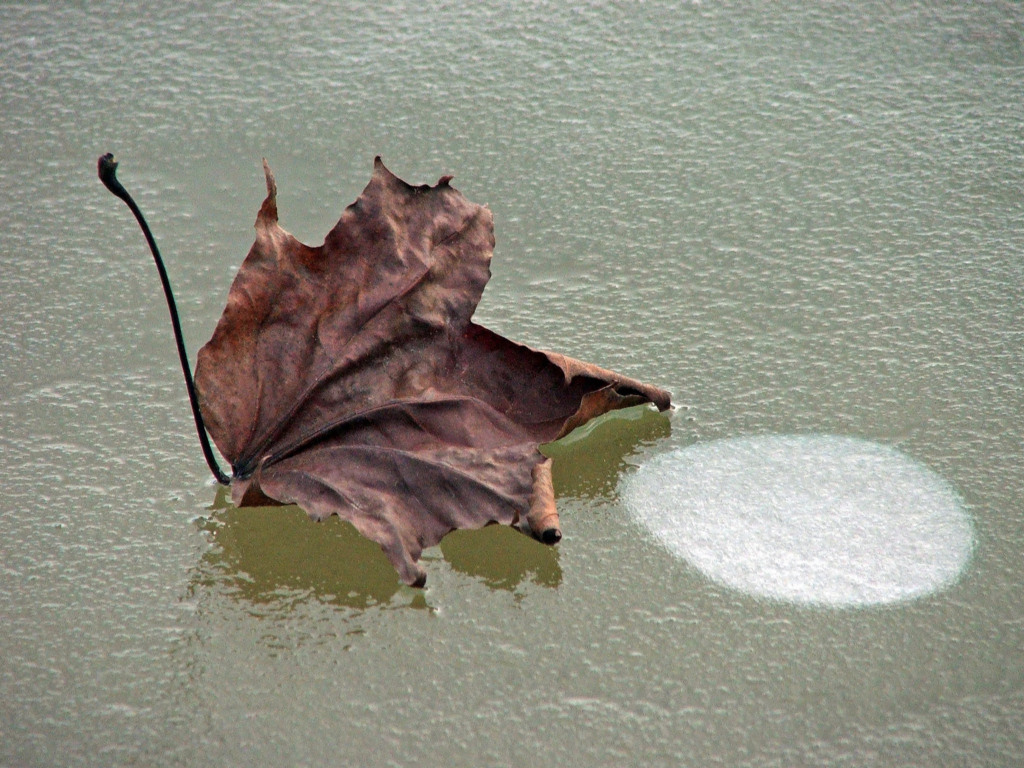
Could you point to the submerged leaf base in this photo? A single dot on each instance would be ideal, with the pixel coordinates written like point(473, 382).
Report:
point(350, 379)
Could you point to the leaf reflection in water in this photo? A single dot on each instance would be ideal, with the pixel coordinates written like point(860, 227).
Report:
point(271, 555)
point(588, 462)
point(502, 557)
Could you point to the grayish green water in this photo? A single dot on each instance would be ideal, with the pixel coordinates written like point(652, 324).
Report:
point(800, 218)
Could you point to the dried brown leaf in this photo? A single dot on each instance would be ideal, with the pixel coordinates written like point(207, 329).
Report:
point(350, 379)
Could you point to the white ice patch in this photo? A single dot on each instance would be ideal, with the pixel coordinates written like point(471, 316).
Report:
point(808, 519)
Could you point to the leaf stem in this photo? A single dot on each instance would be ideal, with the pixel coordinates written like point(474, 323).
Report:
point(107, 167)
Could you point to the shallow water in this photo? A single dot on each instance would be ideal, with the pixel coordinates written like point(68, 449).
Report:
point(799, 219)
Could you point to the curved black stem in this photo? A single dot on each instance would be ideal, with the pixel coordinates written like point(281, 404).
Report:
point(107, 170)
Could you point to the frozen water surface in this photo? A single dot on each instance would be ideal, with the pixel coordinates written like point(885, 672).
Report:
point(803, 218)
point(810, 519)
